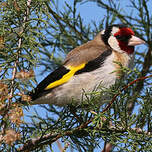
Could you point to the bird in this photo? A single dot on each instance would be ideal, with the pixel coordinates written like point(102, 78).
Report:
point(88, 66)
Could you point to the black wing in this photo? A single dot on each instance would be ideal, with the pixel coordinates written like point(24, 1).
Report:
point(61, 71)
point(96, 63)
point(55, 75)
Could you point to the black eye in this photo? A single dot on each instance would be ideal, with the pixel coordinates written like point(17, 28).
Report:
point(118, 37)
point(122, 38)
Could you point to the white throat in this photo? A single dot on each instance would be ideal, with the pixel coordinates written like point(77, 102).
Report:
point(112, 41)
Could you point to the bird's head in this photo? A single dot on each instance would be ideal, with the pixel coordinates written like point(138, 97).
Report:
point(121, 38)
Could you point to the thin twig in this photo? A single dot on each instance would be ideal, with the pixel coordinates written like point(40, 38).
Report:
point(124, 88)
point(19, 47)
point(107, 147)
point(59, 19)
point(59, 146)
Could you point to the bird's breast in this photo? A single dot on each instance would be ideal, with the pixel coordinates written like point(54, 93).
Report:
point(106, 74)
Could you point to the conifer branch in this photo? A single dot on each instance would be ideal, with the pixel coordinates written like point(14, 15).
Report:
point(52, 137)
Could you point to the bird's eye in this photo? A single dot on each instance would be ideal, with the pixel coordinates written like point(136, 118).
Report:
point(122, 38)
point(118, 37)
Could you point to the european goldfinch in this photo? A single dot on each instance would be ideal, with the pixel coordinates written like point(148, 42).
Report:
point(87, 66)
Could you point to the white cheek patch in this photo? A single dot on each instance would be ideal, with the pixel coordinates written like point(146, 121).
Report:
point(112, 41)
point(114, 30)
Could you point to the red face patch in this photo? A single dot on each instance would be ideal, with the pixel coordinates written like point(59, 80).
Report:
point(126, 48)
point(123, 36)
point(125, 31)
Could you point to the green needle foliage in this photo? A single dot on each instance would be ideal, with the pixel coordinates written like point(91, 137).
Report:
point(36, 36)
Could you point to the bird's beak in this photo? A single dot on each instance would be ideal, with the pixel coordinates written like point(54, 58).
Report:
point(135, 41)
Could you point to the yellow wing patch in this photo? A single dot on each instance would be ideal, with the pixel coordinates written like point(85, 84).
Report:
point(66, 77)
